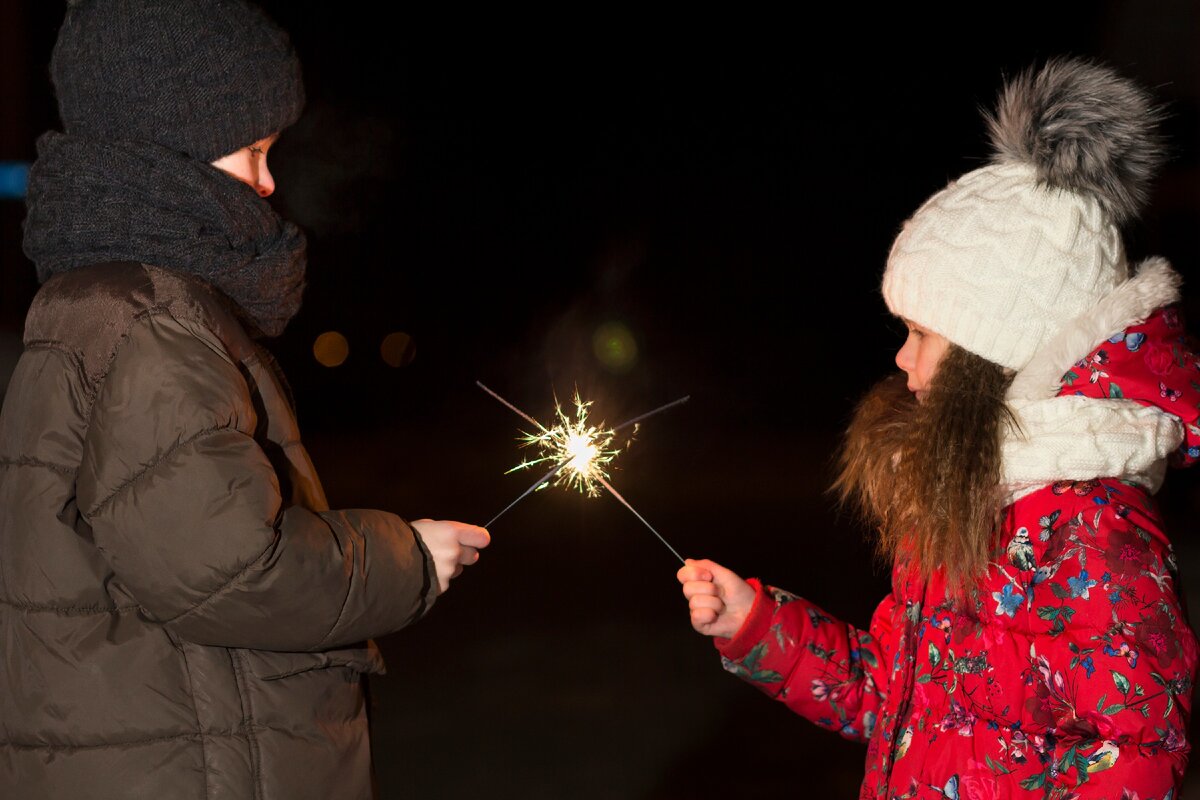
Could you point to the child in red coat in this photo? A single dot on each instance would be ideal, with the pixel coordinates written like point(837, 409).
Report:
point(1034, 643)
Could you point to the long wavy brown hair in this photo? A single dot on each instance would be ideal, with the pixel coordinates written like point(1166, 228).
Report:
point(927, 475)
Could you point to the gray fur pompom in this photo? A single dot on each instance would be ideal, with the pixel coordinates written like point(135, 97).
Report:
point(1085, 128)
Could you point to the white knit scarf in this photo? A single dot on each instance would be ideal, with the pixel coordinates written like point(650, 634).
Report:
point(1079, 438)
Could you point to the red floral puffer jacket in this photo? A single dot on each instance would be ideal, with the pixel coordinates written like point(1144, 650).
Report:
point(1070, 677)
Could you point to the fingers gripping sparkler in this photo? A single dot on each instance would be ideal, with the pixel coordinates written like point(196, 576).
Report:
point(579, 452)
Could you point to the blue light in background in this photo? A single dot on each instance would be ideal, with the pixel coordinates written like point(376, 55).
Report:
point(13, 177)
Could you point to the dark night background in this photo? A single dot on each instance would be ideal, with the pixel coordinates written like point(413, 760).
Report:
point(725, 189)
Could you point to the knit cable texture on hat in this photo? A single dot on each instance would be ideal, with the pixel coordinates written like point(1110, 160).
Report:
point(1003, 258)
point(200, 77)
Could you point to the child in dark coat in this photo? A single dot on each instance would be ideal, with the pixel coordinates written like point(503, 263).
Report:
point(183, 614)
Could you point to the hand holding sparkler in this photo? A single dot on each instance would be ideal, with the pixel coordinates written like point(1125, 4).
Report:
point(720, 601)
point(451, 546)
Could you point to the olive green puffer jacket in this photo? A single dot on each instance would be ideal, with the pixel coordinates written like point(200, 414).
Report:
point(181, 615)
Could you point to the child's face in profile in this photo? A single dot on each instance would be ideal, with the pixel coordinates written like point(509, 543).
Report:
point(249, 165)
point(919, 357)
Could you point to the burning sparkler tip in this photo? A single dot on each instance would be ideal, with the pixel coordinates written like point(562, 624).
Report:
point(579, 451)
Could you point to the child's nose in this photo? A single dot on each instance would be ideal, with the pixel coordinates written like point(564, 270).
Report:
point(265, 184)
point(904, 356)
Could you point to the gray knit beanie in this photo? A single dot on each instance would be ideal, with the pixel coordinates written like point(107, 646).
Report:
point(201, 77)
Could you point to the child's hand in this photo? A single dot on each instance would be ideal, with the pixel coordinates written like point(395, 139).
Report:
point(719, 599)
point(451, 545)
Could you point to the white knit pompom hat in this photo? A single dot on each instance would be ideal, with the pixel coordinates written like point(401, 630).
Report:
point(1007, 255)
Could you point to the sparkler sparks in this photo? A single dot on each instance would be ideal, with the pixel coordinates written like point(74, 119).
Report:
point(579, 452)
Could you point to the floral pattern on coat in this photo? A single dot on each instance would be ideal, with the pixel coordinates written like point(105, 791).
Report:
point(1069, 672)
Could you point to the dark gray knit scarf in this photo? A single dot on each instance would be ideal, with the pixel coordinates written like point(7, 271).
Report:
point(94, 201)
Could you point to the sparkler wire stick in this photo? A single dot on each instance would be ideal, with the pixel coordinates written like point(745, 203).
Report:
point(649, 414)
point(541, 481)
point(549, 476)
point(625, 503)
point(511, 407)
point(608, 486)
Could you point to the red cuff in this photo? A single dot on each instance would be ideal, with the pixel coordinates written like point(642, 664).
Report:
point(753, 629)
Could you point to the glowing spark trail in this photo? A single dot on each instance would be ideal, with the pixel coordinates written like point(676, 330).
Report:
point(578, 452)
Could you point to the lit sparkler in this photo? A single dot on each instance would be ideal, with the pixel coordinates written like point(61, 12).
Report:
point(579, 452)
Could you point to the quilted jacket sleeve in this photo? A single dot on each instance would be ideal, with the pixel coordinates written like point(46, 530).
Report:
point(186, 507)
point(824, 669)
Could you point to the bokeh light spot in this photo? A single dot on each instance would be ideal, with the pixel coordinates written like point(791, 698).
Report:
point(614, 346)
point(398, 349)
point(331, 349)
